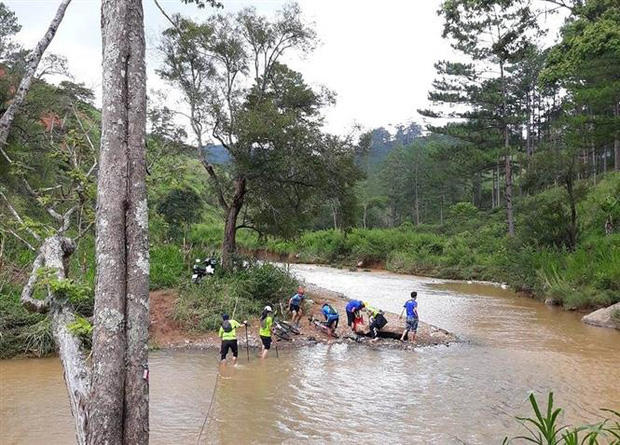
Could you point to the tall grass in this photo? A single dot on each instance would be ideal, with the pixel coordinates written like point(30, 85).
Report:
point(543, 428)
point(241, 295)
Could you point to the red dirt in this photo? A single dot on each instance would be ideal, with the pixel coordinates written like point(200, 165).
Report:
point(167, 333)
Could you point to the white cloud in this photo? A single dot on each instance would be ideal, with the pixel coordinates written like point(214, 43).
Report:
point(377, 56)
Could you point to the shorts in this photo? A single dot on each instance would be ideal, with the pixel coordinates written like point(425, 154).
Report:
point(229, 344)
point(411, 324)
point(333, 323)
point(294, 308)
point(266, 342)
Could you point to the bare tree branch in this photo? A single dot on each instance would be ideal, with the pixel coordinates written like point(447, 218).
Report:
point(33, 62)
point(19, 219)
point(20, 238)
point(26, 299)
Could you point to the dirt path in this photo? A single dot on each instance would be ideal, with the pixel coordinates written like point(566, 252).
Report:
point(167, 333)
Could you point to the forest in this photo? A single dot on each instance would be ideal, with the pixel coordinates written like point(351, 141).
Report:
point(511, 175)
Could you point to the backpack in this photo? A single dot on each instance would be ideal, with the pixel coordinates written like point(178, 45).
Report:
point(330, 310)
point(227, 326)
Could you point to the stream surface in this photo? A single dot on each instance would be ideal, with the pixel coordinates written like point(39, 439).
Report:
point(468, 392)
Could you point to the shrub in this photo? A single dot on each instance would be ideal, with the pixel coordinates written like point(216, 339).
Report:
point(167, 266)
point(241, 295)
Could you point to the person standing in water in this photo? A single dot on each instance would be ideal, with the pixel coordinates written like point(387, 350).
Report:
point(266, 321)
point(295, 305)
point(411, 322)
point(228, 334)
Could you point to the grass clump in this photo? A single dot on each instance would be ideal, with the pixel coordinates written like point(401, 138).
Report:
point(242, 295)
point(544, 428)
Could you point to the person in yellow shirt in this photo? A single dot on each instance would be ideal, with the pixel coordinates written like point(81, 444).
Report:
point(266, 322)
point(228, 334)
point(377, 320)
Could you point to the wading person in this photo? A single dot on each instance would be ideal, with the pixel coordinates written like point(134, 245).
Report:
point(295, 305)
point(377, 320)
point(353, 313)
point(228, 334)
point(411, 322)
point(266, 322)
point(331, 318)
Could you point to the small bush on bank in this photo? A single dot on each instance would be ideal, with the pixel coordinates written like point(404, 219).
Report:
point(242, 295)
point(167, 266)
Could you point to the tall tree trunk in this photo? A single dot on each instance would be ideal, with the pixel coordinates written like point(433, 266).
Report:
point(498, 195)
point(364, 215)
point(617, 142)
point(572, 229)
point(617, 154)
point(31, 68)
point(119, 392)
point(136, 429)
point(441, 210)
point(492, 188)
point(229, 246)
point(507, 161)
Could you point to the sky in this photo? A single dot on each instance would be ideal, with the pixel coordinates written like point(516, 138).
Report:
point(377, 57)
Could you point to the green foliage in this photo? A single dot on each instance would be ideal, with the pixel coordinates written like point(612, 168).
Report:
point(167, 266)
point(241, 295)
point(15, 321)
point(180, 209)
point(38, 339)
point(82, 329)
point(544, 428)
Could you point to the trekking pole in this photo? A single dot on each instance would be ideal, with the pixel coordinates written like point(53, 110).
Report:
point(276, 345)
point(247, 346)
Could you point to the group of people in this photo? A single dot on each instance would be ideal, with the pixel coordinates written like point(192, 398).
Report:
point(353, 309)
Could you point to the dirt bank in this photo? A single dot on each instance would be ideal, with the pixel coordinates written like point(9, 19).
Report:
point(167, 333)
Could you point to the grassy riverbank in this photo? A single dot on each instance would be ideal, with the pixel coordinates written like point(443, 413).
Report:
point(472, 245)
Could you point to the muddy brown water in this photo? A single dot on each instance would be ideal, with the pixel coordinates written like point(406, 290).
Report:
point(466, 393)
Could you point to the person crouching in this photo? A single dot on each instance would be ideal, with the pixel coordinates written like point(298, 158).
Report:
point(377, 320)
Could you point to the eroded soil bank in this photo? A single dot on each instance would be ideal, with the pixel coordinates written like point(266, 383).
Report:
point(166, 333)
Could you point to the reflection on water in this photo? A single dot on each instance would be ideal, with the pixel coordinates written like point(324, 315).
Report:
point(465, 393)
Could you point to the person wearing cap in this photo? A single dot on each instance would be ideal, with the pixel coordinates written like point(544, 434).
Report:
point(266, 321)
point(228, 334)
point(295, 304)
point(411, 322)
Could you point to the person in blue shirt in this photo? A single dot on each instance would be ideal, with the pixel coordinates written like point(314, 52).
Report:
point(411, 322)
point(353, 310)
point(295, 305)
point(331, 317)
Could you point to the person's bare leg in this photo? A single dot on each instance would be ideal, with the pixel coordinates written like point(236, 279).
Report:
point(234, 361)
point(264, 354)
point(402, 337)
point(413, 336)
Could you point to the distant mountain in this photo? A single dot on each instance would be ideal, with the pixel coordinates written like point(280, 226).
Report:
point(383, 141)
point(217, 154)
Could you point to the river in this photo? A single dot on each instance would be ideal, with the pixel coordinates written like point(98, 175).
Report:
point(468, 392)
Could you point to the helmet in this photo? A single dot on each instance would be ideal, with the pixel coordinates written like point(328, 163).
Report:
point(268, 308)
